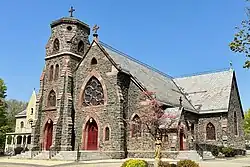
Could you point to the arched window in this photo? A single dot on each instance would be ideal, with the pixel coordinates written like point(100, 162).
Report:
point(32, 111)
point(51, 72)
point(52, 99)
point(107, 133)
point(80, 47)
point(93, 93)
point(21, 124)
point(56, 45)
point(93, 61)
point(136, 126)
point(56, 72)
point(235, 124)
point(210, 131)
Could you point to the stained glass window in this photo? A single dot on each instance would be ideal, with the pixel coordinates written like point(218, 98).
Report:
point(210, 130)
point(52, 99)
point(136, 126)
point(93, 93)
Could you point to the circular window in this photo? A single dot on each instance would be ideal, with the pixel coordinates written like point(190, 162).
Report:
point(69, 28)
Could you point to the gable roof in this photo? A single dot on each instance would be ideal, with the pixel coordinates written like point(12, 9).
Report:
point(210, 92)
point(21, 114)
point(153, 80)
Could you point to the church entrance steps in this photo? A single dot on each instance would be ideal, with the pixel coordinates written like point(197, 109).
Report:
point(42, 155)
point(192, 155)
point(207, 155)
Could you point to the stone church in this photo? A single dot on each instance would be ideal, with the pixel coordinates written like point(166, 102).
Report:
point(88, 89)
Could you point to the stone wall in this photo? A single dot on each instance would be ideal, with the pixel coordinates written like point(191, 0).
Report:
point(216, 120)
point(69, 33)
point(107, 115)
point(238, 140)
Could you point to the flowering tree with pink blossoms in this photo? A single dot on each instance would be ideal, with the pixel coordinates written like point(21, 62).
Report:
point(157, 122)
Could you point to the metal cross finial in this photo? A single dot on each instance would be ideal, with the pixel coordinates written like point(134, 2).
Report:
point(95, 29)
point(231, 65)
point(71, 11)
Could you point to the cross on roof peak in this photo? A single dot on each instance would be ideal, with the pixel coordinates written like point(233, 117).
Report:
point(95, 28)
point(71, 10)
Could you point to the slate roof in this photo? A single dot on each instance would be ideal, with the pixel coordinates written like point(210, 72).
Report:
point(21, 114)
point(208, 92)
point(166, 123)
point(153, 80)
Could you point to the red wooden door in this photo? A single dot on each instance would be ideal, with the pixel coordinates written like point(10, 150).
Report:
point(92, 136)
point(48, 135)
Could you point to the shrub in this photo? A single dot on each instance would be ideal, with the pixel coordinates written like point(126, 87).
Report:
point(164, 164)
point(187, 163)
point(18, 150)
point(228, 152)
point(215, 152)
point(135, 163)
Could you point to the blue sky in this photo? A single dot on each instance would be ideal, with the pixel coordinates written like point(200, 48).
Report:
point(176, 37)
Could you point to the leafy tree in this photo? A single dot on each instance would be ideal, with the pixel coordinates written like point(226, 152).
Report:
point(241, 42)
point(247, 124)
point(13, 108)
point(3, 123)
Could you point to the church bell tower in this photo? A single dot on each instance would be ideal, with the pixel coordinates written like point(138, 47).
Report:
point(54, 127)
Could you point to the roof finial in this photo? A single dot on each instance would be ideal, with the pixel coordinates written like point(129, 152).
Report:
point(95, 29)
point(231, 65)
point(71, 10)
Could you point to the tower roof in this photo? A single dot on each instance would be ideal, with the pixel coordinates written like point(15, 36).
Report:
point(70, 20)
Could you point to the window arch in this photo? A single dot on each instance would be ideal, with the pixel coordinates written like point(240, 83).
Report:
point(80, 47)
point(22, 124)
point(136, 126)
point(52, 99)
point(56, 72)
point(235, 124)
point(107, 133)
point(210, 131)
point(93, 61)
point(56, 45)
point(93, 93)
point(51, 72)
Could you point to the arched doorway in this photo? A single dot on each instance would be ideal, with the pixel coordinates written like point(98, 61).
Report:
point(48, 132)
point(91, 135)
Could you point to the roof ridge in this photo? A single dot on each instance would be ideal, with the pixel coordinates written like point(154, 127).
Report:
point(202, 73)
point(135, 60)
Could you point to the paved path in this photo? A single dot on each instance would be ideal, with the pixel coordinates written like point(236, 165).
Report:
point(5, 162)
